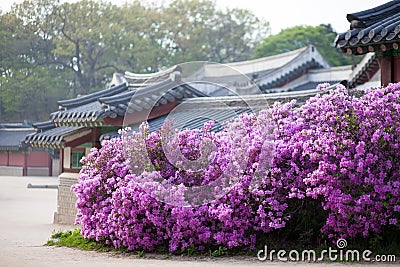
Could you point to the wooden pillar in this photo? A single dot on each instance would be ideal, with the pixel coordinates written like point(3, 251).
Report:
point(96, 132)
point(50, 163)
point(61, 168)
point(25, 167)
point(396, 69)
point(386, 70)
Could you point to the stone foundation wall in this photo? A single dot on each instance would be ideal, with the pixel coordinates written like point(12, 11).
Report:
point(56, 167)
point(38, 171)
point(10, 171)
point(66, 199)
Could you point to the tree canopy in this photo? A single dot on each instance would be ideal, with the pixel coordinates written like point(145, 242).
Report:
point(289, 39)
point(52, 50)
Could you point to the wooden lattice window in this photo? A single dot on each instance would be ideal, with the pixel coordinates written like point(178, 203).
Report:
point(76, 156)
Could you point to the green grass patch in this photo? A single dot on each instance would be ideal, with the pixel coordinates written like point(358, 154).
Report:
point(74, 239)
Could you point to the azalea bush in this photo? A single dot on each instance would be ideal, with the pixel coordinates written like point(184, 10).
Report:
point(344, 152)
point(336, 155)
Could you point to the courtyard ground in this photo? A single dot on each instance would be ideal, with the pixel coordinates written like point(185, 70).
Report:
point(26, 216)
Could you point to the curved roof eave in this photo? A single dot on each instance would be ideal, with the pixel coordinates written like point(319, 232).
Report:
point(308, 59)
point(69, 103)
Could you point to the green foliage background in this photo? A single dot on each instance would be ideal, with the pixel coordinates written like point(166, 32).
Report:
point(51, 50)
point(289, 39)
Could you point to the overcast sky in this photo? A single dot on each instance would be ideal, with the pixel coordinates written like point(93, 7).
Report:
point(287, 13)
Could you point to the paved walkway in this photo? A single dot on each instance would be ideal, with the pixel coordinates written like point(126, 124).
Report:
point(26, 217)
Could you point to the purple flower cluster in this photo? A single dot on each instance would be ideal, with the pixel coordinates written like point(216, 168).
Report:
point(196, 188)
point(343, 151)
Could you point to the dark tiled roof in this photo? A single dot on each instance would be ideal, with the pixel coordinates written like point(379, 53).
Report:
point(268, 72)
point(193, 113)
point(83, 100)
point(195, 118)
point(364, 70)
point(155, 95)
point(52, 137)
point(197, 111)
point(372, 27)
point(84, 115)
point(42, 126)
point(289, 75)
point(13, 138)
point(85, 110)
point(135, 80)
point(308, 59)
point(90, 110)
point(76, 115)
point(48, 135)
point(253, 102)
point(15, 125)
point(310, 85)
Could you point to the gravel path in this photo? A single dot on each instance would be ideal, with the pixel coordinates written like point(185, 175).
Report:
point(26, 217)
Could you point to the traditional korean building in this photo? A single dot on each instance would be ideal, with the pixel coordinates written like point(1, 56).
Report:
point(376, 30)
point(16, 158)
point(270, 74)
point(80, 122)
point(301, 69)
